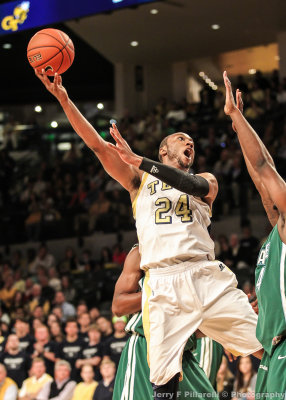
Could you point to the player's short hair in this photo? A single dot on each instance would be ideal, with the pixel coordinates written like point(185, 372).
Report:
point(162, 144)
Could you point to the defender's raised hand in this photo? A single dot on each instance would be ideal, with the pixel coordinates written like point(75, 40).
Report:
point(123, 148)
point(55, 88)
point(230, 105)
point(239, 105)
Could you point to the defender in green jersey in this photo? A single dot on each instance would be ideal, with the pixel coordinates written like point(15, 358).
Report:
point(270, 274)
point(209, 355)
point(132, 379)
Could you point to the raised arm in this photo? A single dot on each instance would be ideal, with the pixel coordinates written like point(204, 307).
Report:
point(267, 202)
point(126, 298)
point(258, 156)
point(127, 175)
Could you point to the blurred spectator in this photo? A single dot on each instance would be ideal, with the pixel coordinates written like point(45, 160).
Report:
point(47, 291)
point(92, 352)
point(54, 281)
point(105, 256)
point(68, 309)
point(38, 299)
point(8, 388)
point(94, 313)
point(43, 259)
point(245, 381)
point(17, 362)
point(57, 311)
point(105, 327)
point(45, 348)
point(114, 345)
point(247, 246)
point(84, 322)
point(71, 346)
point(81, 308)
point(85, 390)
point(22, 330)
point(67, 289)
point(8, 292)
point(224, 381)
point(70, 263)
point(38, 378)
point(98, 213)
point(105, 387)
point(118, 255)
point(56, 332)
point(62, 387)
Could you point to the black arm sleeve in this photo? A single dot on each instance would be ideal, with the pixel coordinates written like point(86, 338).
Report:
point(194, 185)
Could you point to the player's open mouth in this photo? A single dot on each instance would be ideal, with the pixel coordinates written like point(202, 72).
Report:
point(188, 153)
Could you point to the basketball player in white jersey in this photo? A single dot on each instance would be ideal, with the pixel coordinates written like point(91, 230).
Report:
point(185, 289)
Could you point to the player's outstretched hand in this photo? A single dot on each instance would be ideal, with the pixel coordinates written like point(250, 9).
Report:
point(230, 105)
point(239, 105)
point(123, 148)
point(55, 87)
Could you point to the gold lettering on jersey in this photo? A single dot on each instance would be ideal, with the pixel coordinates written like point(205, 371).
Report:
point(152, 186)
point(165, 186)
point(153, 189)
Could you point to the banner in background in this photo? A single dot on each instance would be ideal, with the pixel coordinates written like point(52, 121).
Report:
point(16, 16)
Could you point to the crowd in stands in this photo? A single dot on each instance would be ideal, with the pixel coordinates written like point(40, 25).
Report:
point(54, 341)
point(71, 195)
point(58, 342)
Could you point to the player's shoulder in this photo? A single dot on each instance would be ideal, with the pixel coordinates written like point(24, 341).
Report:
point(208, 176)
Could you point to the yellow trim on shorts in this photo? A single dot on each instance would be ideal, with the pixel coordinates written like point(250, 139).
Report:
point(146, 315)
point(144, 178)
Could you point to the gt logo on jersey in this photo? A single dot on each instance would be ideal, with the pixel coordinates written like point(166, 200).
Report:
point(263, 255)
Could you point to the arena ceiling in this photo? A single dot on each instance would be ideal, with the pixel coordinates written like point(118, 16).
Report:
point(181, 30)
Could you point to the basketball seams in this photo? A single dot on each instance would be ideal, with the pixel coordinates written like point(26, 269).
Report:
point(66, 45)
point(61, 62)
point(40, 47)
point(48, 34)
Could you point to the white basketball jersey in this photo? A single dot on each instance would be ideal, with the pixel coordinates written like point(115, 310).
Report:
point(171, 225)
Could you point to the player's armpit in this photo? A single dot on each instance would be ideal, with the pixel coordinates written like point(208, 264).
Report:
point(127, 175)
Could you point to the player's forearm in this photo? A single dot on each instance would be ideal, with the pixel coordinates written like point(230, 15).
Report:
point(81, 126)
point(126, 303)
point(183, 181)
point(253, 146)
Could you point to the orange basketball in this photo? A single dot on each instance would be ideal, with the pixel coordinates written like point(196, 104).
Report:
point(51, 50)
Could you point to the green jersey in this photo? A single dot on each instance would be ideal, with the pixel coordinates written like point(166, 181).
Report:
point(209, 355)
point(270, 279)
